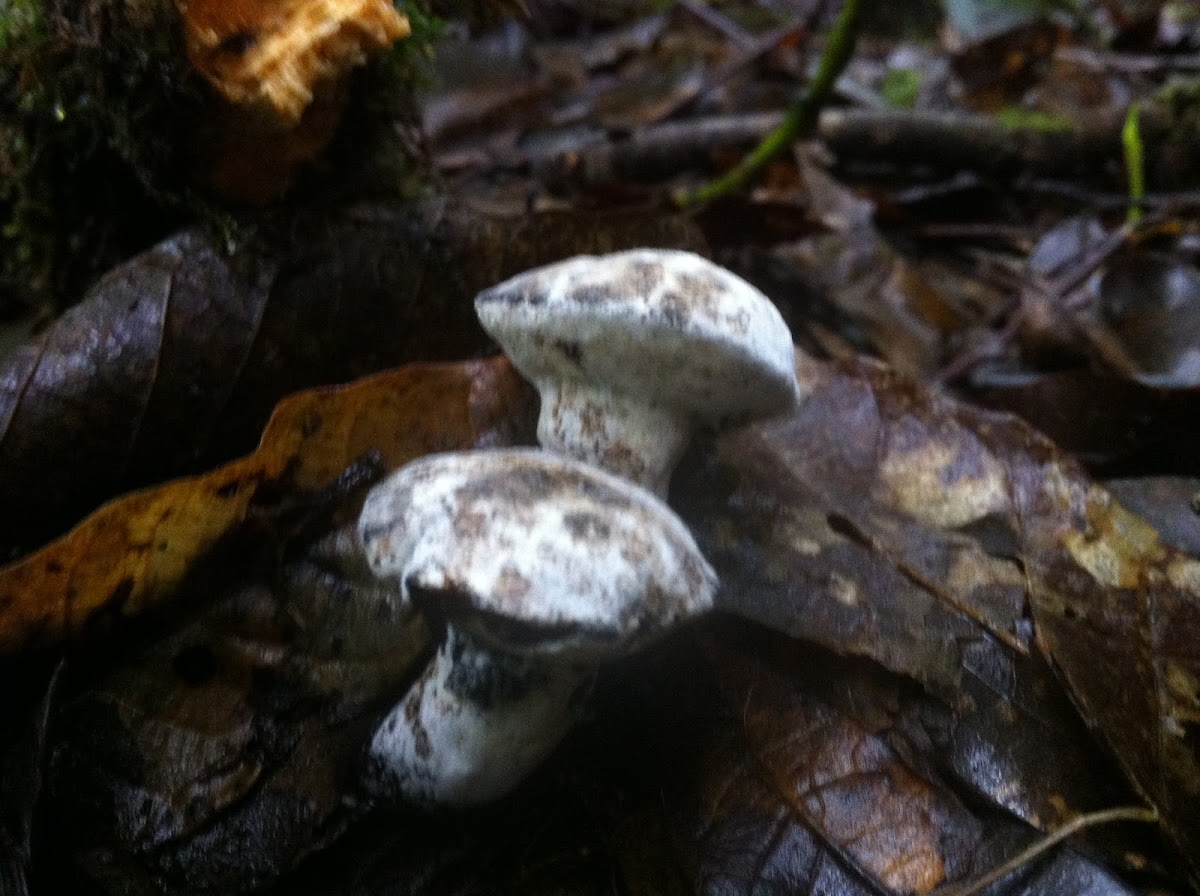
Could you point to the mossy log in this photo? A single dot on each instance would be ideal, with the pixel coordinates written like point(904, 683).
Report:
point(121, 120)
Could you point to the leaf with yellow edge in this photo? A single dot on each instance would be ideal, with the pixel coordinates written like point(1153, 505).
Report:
point(133, 552)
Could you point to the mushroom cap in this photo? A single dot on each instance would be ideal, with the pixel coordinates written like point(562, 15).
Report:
point(534, 553)
point(666, 324)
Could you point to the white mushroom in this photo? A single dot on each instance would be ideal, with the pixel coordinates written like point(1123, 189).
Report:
point(539, 567)
point(631, 351)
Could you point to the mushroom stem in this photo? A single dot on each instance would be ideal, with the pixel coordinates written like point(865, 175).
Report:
point(639, 440)
point(474, 725)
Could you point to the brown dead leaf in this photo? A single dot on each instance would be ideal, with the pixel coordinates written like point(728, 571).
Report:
point(785, 769)
point(175, 361)
point(878, 521)
point(818, 243)
point(881, 521)
point(1149, 303)
point(213, 758)
point(22, 755)
point(996, 72)
point(1113, 424)
point(136, 550)
point(1169, 503)
point(840, 780)
point(728, 760)
point(954, 545)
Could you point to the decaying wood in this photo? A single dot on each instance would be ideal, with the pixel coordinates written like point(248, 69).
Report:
point(273, 55)
point(931, 140)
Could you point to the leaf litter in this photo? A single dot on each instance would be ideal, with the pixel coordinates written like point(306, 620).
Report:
point(959, 639)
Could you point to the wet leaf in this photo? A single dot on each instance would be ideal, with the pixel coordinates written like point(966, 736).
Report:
point(1169, 503)
point(176, 359)
point(1093, 295)
point(820, 246)
point(953, 545)
point(819, 756)
point(956, 548)
point(838, 780)
point(1115, 425)
point(977, 626)
point(213, 759)
point(22, 750)
point(997, 70)
point(136, 550)
point(730, 760)
point(1151, 303)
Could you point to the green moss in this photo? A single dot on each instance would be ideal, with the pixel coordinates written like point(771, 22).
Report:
point(1171, 130)
point(900, 87)
point(98, 111)
point(93, 96)
point(1031, 120)
point(1178, 101)
point(19, 21)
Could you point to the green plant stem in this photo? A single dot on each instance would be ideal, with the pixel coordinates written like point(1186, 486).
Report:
point(801, 116)
point(1135, 164)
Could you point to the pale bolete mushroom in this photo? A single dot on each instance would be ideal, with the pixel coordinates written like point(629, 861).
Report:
point(539, 567)
point(632, 351)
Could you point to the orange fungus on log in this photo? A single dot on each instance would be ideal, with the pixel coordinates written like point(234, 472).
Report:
point(269, 55)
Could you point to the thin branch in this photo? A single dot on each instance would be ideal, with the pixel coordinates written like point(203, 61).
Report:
point(1092, 819)
point(746, 57)
point(801, 116)
point(718, 21)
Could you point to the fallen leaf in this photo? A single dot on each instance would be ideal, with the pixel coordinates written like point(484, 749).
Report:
point(1169, 503)
point(136, 550)
point(997, 70)
point(1115, 425)
point(954, 545)
point(728, 760)
point(1151, 303)
point(175, 361)
point(22, 756)
point(803, 778)
point(214, 758)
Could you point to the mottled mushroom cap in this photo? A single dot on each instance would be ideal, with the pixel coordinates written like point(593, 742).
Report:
point(531, 552)
point(667, 324)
